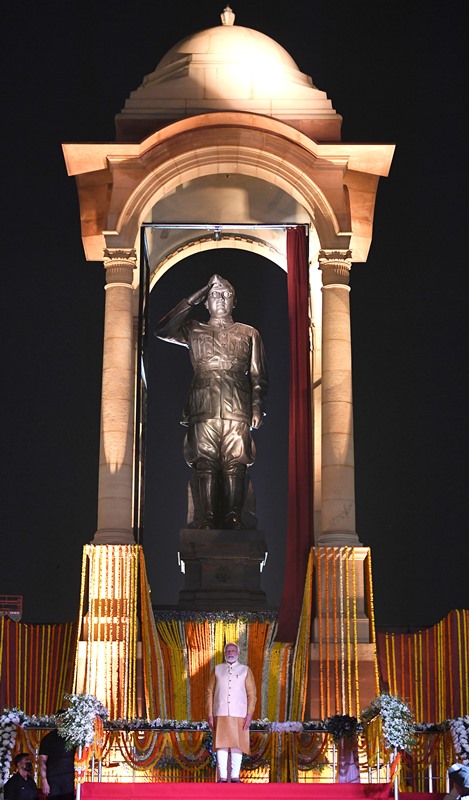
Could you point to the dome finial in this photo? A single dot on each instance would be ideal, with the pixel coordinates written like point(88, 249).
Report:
point(227, 16)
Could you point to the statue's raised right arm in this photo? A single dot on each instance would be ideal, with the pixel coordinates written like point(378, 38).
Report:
point(169, 328)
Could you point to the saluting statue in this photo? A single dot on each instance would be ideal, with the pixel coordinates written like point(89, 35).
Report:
point(225, 402)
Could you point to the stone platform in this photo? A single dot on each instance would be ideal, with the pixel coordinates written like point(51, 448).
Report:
point(222, 569)
point(247, 791)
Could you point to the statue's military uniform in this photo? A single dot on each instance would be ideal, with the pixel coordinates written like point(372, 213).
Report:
point(229, 384)
point(230, 375)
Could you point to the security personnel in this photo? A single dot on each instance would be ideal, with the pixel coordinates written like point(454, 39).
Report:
point(21, 785)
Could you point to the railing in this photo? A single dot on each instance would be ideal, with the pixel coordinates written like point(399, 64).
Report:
point(185, 754)
point(11, 605)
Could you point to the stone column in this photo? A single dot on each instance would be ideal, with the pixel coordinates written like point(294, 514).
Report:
point(117, 403)
point(337, 472)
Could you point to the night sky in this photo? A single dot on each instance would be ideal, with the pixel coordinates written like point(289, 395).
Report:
point(396, 72)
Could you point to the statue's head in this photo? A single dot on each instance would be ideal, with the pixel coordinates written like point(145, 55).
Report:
point(221, 298)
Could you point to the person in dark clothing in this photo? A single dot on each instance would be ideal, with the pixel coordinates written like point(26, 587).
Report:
point(459, 775)
point(21, 785)
point(56, 767)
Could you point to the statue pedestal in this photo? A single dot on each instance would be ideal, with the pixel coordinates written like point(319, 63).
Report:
point(222, 569)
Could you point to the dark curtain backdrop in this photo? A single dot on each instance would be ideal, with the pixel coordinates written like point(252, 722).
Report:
point(300, 463)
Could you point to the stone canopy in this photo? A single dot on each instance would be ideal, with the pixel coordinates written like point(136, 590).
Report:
point(225, 68)
point(227, 114)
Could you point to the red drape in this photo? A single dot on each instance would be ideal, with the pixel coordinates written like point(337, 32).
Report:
point(300, 461)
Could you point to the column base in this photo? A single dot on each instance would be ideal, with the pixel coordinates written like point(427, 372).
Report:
point(338, 539)
point(113, 536)
point(110, 657)
point(343, 666)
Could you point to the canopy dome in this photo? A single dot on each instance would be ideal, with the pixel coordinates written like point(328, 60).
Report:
point(232, 43)
point(227, 68)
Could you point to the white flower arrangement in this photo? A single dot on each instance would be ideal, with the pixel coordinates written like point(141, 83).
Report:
point(398, 721)
point(76, 724)
point(10, 718)
point(459, 728)
point(286, 727)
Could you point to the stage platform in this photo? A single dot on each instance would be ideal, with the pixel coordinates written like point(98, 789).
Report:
point(248, 791)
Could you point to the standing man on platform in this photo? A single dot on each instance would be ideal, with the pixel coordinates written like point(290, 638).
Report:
point(230, 703)
point(225, 402)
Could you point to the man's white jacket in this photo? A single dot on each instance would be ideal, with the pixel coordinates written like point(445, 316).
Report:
point(231, 691)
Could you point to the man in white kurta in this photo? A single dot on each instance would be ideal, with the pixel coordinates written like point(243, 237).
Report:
point(230, 703)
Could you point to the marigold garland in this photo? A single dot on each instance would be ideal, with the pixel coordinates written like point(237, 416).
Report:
point(45, 651)
point(106, 652)
point(142, 760)
point(300, 664)
point(187, 653)
point(430, 667)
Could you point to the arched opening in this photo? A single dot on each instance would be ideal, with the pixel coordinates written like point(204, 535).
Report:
point(262, 302)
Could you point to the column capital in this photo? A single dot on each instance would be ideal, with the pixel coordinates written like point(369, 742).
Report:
point(119, 265)
point(335, 266)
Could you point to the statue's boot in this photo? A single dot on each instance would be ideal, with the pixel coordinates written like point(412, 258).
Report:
point(233, 488)
point(208, 497)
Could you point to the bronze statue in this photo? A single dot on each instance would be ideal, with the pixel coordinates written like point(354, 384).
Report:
point(225, 402)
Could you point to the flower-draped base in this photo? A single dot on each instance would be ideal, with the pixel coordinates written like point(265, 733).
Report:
point(182, 750)
point(389, 726)
point(398, 723)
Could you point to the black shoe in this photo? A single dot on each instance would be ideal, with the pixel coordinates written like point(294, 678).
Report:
point(222, 780)
point(207, 523)
point(236, 780)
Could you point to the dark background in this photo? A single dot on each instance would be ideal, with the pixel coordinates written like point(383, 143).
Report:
point(396, 72)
